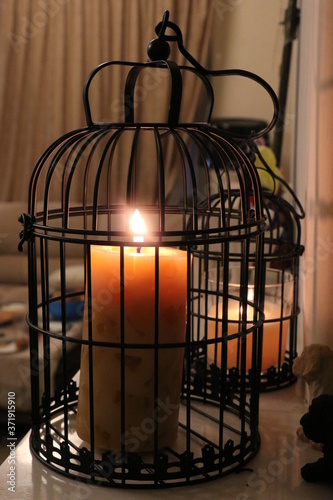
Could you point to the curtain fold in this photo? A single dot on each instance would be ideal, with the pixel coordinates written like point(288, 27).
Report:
point(314, 168)
point(48, 47)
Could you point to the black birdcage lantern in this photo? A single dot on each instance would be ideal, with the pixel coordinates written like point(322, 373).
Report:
point(282, 253)
point(147, 319)
point(281, 264)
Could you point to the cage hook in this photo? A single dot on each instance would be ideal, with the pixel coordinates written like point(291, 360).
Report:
point(164, 24)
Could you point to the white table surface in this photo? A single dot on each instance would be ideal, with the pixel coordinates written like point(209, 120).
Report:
point(275, 470)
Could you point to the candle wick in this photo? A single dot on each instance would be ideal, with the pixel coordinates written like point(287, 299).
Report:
point(138, 249)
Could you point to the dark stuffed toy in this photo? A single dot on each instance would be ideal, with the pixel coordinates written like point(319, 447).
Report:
point(318, 427)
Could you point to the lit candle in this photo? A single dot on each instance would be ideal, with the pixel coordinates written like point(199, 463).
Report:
point(139, 327)
point(271, 335)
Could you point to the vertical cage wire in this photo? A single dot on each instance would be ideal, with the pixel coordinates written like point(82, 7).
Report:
point(143, 324)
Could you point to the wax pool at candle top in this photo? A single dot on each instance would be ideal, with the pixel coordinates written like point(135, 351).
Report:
point(137, 389)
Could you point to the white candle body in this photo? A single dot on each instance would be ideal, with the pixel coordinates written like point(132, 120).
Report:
point(139, 327)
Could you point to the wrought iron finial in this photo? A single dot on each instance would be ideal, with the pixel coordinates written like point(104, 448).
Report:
point(159, 49)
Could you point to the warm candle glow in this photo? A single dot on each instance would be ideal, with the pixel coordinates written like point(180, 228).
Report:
point(276, 325)
point(125, 379)
point(271, 334)
point(137, 226)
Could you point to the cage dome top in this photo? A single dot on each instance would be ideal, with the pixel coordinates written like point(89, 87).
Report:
point(182, 175)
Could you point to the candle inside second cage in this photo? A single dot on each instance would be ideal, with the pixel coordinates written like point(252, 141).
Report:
point(126, 380)
point(277, 310)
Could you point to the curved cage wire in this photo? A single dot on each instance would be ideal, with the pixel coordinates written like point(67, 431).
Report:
point(144, 323)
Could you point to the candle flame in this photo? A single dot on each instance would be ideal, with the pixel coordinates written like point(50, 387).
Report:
point(250, 298)
point(137, 226)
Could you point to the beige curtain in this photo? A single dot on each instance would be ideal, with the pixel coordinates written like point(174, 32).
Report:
point(314, 167)
point(47, 49)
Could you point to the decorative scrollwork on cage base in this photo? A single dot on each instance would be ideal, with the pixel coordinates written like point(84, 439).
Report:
point(66, 455)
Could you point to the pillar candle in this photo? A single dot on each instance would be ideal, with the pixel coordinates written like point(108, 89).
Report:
point(271, 335)
point(142, 414)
